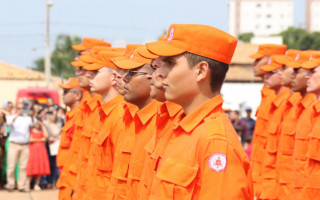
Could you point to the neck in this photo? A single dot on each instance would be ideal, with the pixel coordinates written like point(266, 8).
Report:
point(303, 93)
point(75, 104)
point(144, 103)
point(279, 90)
point(109, 95)
point(196, 102)
point(318, 96)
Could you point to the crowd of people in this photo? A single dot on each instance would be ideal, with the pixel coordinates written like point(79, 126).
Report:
point(30, 138)
point(146, 122)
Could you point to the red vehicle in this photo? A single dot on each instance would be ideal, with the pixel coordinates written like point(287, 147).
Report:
point(40, 94)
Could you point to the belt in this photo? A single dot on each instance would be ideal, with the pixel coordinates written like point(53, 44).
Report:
point(19, 143)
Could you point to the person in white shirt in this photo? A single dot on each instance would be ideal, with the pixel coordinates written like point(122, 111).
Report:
point(20, 124)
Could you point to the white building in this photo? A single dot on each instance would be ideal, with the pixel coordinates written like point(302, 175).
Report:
point(261, 17)
point(313, 15)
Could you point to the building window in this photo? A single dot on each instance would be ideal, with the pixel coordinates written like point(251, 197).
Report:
point(268, 16)
point(258, 5)
point(268, 26)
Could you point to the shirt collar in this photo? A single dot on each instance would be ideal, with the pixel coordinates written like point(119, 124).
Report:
point(72, 112)
point(190, 121)
point(110, 105)
point(308, 100)
point(295, 98)
point(94, 102)
point(130, 109)
point(169, 107)
point(148, 111)
point(265, 91)
point(317, 106)
point(281, 97)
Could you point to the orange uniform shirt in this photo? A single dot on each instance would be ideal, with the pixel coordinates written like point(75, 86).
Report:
point(126, 139)
point(303, 129)
point(64, 150)
point(145, 127)
point(285, 148)
point(311, 190)
point(92, 115)
point(203, 159)
point(102, 149)
point(260, 136)
point(268, 172)
point(68, 175)
point(168, 115)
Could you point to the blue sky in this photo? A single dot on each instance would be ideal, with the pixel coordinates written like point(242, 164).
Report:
point(22, 23)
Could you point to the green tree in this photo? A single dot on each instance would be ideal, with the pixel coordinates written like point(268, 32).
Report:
point(245, 37)
point(297, 38)
point(61, 57)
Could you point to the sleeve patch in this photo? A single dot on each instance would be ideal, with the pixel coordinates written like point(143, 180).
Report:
point(217, 162)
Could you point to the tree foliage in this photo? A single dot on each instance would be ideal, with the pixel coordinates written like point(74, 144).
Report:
point(245, 37)
point(61, 57)
point(297, 38)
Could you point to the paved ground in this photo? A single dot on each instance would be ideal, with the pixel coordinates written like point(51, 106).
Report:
point(47, 194)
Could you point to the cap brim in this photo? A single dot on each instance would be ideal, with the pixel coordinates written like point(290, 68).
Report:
point(294, 64)
point(256, 56)
point(87, 58)
point(65, 86)
point(93, 66)
point(78, 63)
point(283, 59)
point(311, 64)
point(127, 64)
point(161, 48)
point(79, 47)
point(147, 54)
point(270, 67)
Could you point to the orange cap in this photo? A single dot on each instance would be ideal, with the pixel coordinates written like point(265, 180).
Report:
point(135, 60)
point(103, 59)
point(144, 52)
point(130, 48)
point(71, 83)
point(88, 43)
point(202, 40)
point(290, 55)
point(272, 65)
point(313, 62)
point(302, 56)
point(78, 63)
point(269, 50)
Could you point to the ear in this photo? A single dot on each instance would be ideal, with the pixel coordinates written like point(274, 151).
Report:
point(202, 71)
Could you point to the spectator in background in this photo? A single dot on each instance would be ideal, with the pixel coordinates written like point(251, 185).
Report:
point(248, 147)
point(18, 150)
point(250, 122)
point(53, 128)
point(239, 131)
point(38, 162)
point(236, 121)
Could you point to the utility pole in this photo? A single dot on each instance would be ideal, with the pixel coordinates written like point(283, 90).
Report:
point(47, 64)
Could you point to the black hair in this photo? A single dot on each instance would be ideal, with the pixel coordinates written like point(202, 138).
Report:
point(218, 70)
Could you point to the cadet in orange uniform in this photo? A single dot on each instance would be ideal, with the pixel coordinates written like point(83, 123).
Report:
point(287, 128)
point(70, 174)
point(137, 92)
point(303, 126)
point(72, 94)
point(267, 95)
point(169, 114)
point(105, 133)
point(268, 173)
point(203, 159)
point(311, 188)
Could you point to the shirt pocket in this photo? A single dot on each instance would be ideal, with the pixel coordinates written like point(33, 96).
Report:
point(104, 151)
point(124, 157)
point(272, 143)
point(177, 178)
point(287, 138)
point(314, 143)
